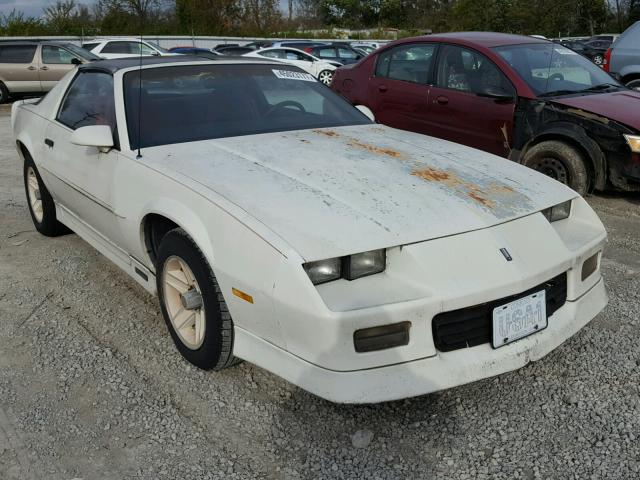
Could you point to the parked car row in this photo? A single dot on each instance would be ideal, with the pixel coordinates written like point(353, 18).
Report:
point(530, 100)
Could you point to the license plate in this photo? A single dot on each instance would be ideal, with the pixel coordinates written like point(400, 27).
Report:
point(519, 319)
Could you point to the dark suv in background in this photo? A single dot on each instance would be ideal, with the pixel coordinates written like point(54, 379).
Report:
point(622, 60)
point(32, 68)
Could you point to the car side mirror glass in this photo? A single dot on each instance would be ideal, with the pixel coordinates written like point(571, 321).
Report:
point(367, 111)
point(99, 136)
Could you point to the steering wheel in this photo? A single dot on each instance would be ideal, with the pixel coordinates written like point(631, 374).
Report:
point(285, 104)
point(556, 77)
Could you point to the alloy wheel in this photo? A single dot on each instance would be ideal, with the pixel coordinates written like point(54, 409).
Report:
point(183, 301)
point(326, 77)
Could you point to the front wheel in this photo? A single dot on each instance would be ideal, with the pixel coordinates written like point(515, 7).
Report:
point(192, 303)
point(326, 77)
point(634, 84)
point(560, 161)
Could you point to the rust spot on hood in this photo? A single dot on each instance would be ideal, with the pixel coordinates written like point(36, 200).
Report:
point(327, 133)
point(373, 149)
point(480, 193)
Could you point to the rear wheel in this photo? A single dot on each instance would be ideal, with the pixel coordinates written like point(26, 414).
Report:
point(4, 93)
point(560, 161)
point(598, 59)
point(326, 77)
point(192, 303)
point(41, 205)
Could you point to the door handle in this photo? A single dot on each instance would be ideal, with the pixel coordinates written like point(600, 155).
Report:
point(48, 142)
point(44, 68)
point(442, 100)
point(382, 88)
point(31, 67)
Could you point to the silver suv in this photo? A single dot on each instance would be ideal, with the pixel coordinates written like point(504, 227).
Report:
point(622, 60)
point(31, 68)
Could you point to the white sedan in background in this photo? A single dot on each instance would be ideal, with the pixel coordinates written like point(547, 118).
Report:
point(280, 225)
point(124, 48)
point(321, 69)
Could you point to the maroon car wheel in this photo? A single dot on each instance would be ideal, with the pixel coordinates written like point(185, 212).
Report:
point(560, 161)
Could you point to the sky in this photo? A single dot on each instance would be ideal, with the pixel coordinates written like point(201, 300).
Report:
point(33, 8)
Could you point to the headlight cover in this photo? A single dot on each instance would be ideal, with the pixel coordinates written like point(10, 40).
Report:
point(558, 212)
point(351, 267)
point(634, 142)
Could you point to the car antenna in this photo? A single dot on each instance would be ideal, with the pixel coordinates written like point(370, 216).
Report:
point(140, 100)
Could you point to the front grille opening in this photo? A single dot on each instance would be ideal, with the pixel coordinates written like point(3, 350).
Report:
point(472, 326)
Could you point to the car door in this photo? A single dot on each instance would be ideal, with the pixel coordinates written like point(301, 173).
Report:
point(327, 53)
point(464, 107)
point(347, 56)
point(19, 68)
point(83, 176)
point(398, 93)
point(55, 62)
point(298, 59)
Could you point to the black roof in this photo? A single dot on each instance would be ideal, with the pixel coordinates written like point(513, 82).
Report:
point(113, 65)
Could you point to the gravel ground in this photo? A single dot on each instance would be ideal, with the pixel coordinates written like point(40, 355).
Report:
point(91, 386)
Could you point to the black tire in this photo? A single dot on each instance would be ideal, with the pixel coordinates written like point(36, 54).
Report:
point(560, 161)
point(4, 93)
point(634, 84)
point(216, 350)
point(48, 225)
point(598, 59)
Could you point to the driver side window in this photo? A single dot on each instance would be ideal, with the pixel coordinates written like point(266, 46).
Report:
point(89, 101)
point(469, 71)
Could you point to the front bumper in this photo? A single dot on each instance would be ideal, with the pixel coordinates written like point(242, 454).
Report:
point(427, 375)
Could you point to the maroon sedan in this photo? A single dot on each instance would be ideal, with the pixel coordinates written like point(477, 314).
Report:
point(533, 101)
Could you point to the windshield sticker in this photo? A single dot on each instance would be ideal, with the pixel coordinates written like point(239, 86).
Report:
point(565, 51)
point(289, 75)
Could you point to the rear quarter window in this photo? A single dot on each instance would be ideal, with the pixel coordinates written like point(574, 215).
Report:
point(17, 53)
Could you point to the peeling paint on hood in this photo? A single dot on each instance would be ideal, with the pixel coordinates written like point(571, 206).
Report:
point(333, 192)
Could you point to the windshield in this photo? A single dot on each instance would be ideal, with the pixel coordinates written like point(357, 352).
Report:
point(81, 52)
point(200, 102)
point(553, 69)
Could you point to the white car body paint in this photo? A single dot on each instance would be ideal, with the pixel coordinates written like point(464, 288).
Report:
point(103, 42)
point(310, 64)
point(442, 211)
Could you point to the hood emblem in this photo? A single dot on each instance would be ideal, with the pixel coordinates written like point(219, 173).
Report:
point(506, 254)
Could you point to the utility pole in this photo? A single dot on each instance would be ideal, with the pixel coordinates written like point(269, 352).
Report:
point(290, 10)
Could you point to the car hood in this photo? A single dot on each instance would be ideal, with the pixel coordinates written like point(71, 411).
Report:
point(622, 106)
point(336, 191)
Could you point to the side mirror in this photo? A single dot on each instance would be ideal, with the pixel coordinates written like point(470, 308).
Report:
point(496, 93)
point(76, 61)
point(367, 111)
point(99, 136)
point(156, 54)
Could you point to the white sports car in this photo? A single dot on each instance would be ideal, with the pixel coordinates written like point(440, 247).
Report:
point(278, 224)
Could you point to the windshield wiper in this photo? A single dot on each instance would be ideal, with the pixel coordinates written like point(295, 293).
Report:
point(601, 86)
point(555, 93)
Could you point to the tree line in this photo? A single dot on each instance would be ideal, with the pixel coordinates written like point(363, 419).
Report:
point(306, 18)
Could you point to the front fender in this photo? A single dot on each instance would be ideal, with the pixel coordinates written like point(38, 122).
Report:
point(575, 135)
